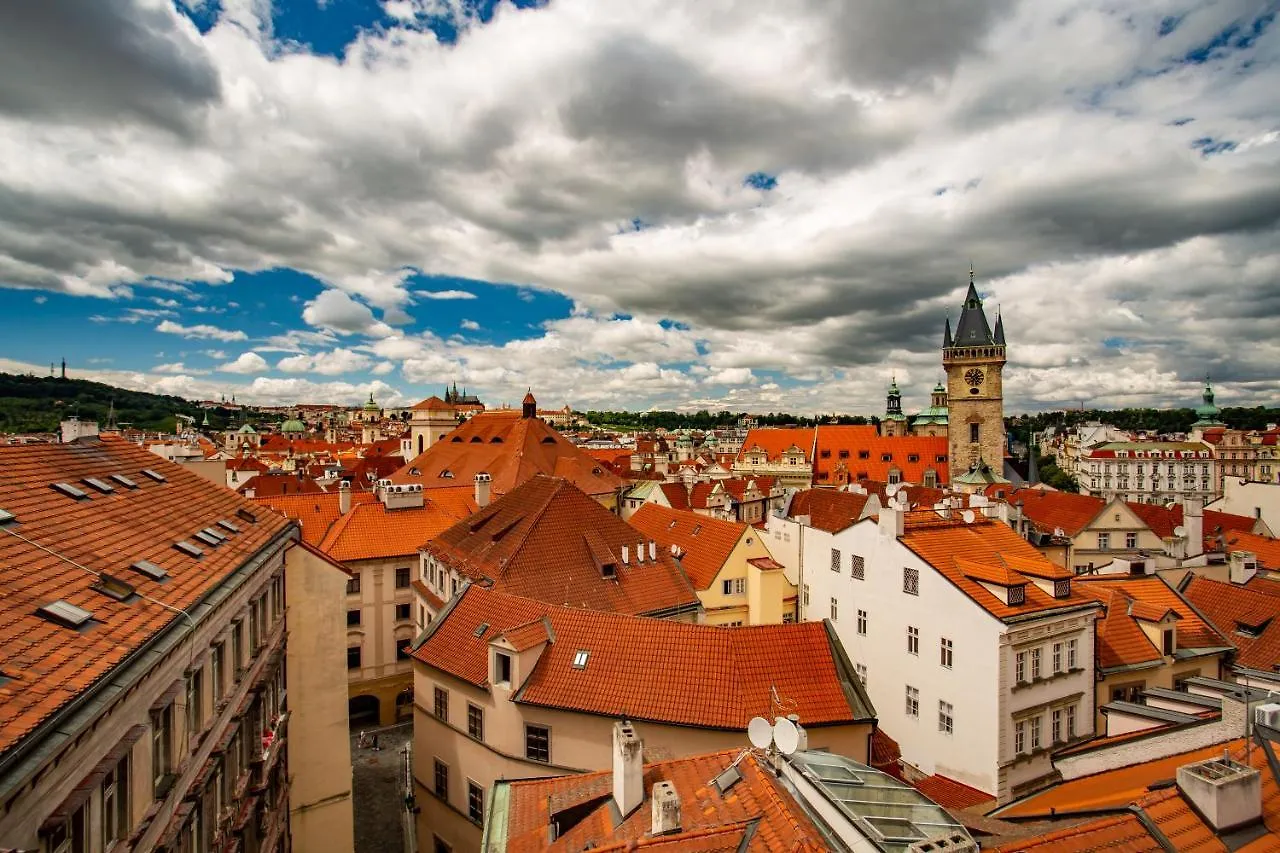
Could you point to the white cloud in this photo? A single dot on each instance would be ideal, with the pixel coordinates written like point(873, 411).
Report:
point(169, 327)
point(246, 362)
point(444, 294)
point(335, 311)
point(470, 325)
point(40, 300)
point(382, 368)
point(730, 376)
point(332, 363)
point(178, 367)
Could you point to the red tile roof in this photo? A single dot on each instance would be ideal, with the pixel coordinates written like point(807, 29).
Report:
point(373, 532)
point(280, 483)
point(1050, 510)
point(1266, 549)
point(885, 753)
point(316, 513)
point(432, 404)
point(870, 456)
point(1230, 608)
point(1217, 525)
point(944, 544)
point(951, 794)
point(654, 669)
point(510, 449)
point(775, 441)
point(758, 807)
point(50, 665)
point(1121, 642)
point(828, 509)
point(676, 494)
point(706, 542)
point(549, 541)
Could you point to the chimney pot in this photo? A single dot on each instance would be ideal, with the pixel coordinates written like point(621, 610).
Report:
point(666, 809)
point(628, 768)
point(344, 497)
point(483, 484)
point(653, 550)
point(1228, 794)
point(626, 554)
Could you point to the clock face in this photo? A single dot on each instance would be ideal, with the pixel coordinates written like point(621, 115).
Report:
point(973, 376)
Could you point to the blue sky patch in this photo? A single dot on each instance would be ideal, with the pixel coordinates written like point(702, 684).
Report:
point(760, 181)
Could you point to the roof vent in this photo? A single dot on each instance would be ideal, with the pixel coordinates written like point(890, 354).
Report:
point(65, 614)
point(229, 526)
point(155, 475)
point(580, 658)
point(113, 587)
point(727, 779)
point(188, 549)
point(69, 490)
point(209, 539)
point(124, 481)
point(150, 569)
point(95, 483)
point(6, 516)
point(480, 629)
point(245, 515)
point(214, 533)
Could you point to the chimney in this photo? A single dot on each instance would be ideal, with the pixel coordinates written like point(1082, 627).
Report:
point(639, 552)
point(483, 481)
point(1193, 521)
point(1227, 794)
point(891, 522)
point(653, 550)
point(666, 809)
point(626, 554)
point(406, 496)
point(628, 768)
point(1243, 566)
point(74, 428)
point(344, 497)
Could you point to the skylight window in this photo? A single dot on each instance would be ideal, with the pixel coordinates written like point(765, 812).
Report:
point(726, 780)
point(580, 658)
point(480, 629)
point(697, 528)
point(150, 569)
point(69, 490)
point(124, 481)
point(101, 486)
point(189, 549)
point(229, 526)
point(245, 515)
point(214, 533)
point(65, 614)
point(212, 541)
point(113, 587)
point(154, 475)
point(6, 516)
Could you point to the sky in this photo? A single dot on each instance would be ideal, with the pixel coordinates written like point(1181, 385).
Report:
point(749, 205)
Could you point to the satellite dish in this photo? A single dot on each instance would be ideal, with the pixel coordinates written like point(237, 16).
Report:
point(968, 516)
point(760, 733)
point(786, 736)
point(1180, 531)
point(892, 489)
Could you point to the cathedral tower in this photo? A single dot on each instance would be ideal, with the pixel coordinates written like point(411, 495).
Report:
point(973, 360)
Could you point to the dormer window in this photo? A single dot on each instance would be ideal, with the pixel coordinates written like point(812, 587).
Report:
point(502, 669)
point(1167, 642)
point(1017, 595)
point(1062, 588)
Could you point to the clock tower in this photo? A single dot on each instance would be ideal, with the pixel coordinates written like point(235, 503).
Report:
point(974, 359)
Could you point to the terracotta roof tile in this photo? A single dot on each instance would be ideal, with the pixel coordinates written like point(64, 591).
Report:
point(272, 483)
point(828, 509)
point(676, 494)
point(431, 404)
point(49, 665)
point(951, 794)
point(370, 531)
point(530, 634)
point(706, 542)
point(653, 669)
point(775, 441)
point(534, 542)
point(1218, 526)
point(1126, 599)
point(885, 752)
point(316, 513)
point(1265, 548)
point(1232, 608)
point(869, 455)
point(1050, 510)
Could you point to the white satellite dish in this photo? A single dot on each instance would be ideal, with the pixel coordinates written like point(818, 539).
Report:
point(1180, 531)
point(786, 736)
point(760, 733)
point(968, 516)
point(892, 489)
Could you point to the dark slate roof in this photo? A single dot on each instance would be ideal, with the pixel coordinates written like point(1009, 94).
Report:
point(972, 330)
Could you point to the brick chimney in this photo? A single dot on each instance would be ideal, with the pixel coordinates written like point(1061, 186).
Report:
point(628, 768)
point(404, 496)
point(483, 482)
point(666, 809)
point(1227, 794)
point(344, 497)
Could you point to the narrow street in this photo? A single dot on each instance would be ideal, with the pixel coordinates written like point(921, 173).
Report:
point(377, 795)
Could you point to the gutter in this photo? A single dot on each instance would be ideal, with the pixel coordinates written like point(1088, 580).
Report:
point(26, 757)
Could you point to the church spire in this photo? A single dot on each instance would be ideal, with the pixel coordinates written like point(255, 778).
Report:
point(946, 335)
point(973, 330)
point(999, 334)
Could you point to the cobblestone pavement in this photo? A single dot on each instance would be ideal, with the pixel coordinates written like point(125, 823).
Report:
point(377, 796)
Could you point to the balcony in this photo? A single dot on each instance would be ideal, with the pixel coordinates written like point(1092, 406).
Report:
point(273, 740)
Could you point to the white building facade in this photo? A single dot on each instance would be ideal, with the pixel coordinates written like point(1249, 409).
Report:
point(1157, 472)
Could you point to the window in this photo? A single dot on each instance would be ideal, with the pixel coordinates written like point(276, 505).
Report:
point(911, 581)
point(215, 671)
point(1020, 667)
point(913, 640)
point(195, 699)
point(835, 611)
point(441, 779)
point(861, 670)
point(1071, 721)
point(1104, 541)
point(402, 578)
point(1072, 645)
point(115, 803)
point(475, 802)
point(835, 560)
point(402, 649)
point(237, 647)
point(862, 622)
point(1131, 540)
point(1035, 733)
point(1057, 658)
point(1035, 663)
point(857, 567)
point(1128, 692)
point(441, 704)
point(502, 667)
point(1020, 737)
point(913, 701)
point(974, 433)
point(1055, 725)
point(734, 586)
point(69, 836)
point(806, 595)
point(946, 720)
point(353, 584)
point(1167, 635)
point(402, 612)
point(537, 743)
point(161, 750)
point(475, 721)
point(353, 618)
point(947, 650)
point(581, 656)
point(353, 657)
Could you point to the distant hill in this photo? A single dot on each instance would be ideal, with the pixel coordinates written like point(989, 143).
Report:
point(40, 403)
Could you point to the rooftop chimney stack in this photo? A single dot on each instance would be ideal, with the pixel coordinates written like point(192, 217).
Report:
point(74, 428)
point(640, 552)
point(666, 809)
point(1243, 566)
point(1193, 521)
point(626, 554)
point(1227, 794)
point(483, 483)
point(892, 522)
point(628, 768)
point(653, 550)
point(344, 497)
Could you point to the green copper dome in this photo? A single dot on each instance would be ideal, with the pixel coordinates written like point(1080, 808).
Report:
point(293, 425)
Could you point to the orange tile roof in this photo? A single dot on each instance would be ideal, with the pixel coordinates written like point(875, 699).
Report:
point(528, 635)
point(373, 532)
point(885, 753)
point(1049, 510)
point(431, 404)
point(654, 669)
point(1121, 642)
point(950, 794)
point(511, 450)
point(828, 509)
point(50, 665)
point(676, 494)
point(1229, 606)
point(942, 545)
point(710, 821)
point(610, 455)
point(280, 483)
point(706, 542)
point(547, 540)
point(871, 456)
point(775, 441)
point(316, 513)
point(1265, 548)
point(1218, 526)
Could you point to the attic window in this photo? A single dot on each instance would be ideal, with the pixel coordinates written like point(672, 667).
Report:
point(215, 534)
point(124, 481)
point(672, 524)
point(1017, 595)
point(65, 614)
point(113, 587)
point(480, 629)
point(69, 490)
point(886, 457)
point(6, 516)
point(211, 541)
point(150, 569)
point(497, 439)
point(229, 526)
point(548, 440)
point(95, 483)
point(726, 780)
point(1062, 588)
point(862, 454)
point(246, 515)
point(155, 475)
point(456, 439)
point(188, 549)
point(446, 474)
point(697, 528)
point(1252, 631)
point(580, 658)
point(475, 439)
